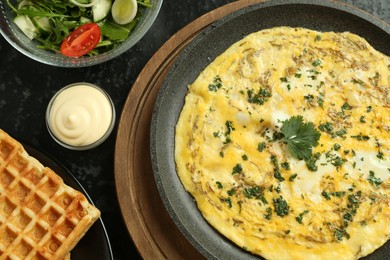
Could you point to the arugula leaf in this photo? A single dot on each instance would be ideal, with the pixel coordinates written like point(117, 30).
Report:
point(300, 137)
point(40, 13)
point(114, 31)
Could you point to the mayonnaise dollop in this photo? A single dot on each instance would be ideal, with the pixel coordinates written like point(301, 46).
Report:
point(80, 115)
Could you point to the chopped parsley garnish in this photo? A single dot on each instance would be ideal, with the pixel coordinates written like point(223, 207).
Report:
point(311, 162)
point(292, 177)
point(352, 207)
point(374, 180)
point(325, 195)
point(317, 38)
point(228, 201)
point(320, 100)
point(316, 63)
point(346, 106)
point(217, 84)
point(326, 127)
point(300, 137)
point(340, 233)
point(353, 203)
point(361, 137)
point(255, 193)
point(299, 218)
point(260, 97)
point(244, 157)
point(227, 140)
point(231, 192)
point(309, 98)
point(268, 213)
point(337, 161)
point(341, 132)
point(277, 136)
point(357, 81)
point(277, 173)
point(283, 79)
point(261, 146)
point(219, 185)
point(285, 165)
point(315, 72)
point(237, 169)
point(229, 126)
point(369, 109)
point(281, 207)
point(229, 129)
point(337, 194)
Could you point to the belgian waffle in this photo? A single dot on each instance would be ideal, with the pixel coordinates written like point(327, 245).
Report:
point(40, 216)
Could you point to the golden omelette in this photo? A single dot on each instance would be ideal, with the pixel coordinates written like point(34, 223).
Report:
point(284, 142)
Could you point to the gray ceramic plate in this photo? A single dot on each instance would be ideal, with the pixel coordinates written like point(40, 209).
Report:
point(314, 14)
point(95, 244)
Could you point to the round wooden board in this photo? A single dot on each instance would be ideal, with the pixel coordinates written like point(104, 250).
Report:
point(149, 224)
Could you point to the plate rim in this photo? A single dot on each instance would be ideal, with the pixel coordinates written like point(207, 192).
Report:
point(161, 185)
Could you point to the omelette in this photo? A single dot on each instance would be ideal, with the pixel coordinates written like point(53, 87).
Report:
point(284, 143)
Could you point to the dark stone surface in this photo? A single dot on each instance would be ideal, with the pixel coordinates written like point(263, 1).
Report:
point(26, 87)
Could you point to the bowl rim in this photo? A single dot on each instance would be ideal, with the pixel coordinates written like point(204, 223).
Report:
point(98, 141)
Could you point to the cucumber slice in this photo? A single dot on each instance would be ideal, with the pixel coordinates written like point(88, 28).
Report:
point(42, 23)
point(84, 20)
point(26, 26)
point(100, 9)
point(124, 11)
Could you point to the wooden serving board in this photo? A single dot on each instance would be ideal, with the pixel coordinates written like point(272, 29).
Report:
point(149, 224)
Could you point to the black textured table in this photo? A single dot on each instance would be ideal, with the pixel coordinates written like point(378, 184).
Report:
point(26, 87)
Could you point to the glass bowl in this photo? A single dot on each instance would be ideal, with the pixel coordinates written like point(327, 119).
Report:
point(19, 40)
point(80, 116)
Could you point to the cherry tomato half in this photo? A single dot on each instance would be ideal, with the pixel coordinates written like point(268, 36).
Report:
point(81, 41)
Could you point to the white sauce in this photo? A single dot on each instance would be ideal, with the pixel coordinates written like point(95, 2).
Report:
point(80, 115)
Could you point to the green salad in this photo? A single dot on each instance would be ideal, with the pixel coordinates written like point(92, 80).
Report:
point(78, 27)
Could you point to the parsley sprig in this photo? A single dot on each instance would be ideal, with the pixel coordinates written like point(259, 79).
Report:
point(300, 137)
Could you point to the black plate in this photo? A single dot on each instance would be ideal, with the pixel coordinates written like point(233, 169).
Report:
point(315, 14)
point(95, 244)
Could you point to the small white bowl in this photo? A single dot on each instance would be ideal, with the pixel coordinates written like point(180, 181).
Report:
point(74, 114)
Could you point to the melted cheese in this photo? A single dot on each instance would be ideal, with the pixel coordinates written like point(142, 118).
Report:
point(227, 151)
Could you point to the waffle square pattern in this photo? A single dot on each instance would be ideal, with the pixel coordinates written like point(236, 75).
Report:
point(40, 216)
